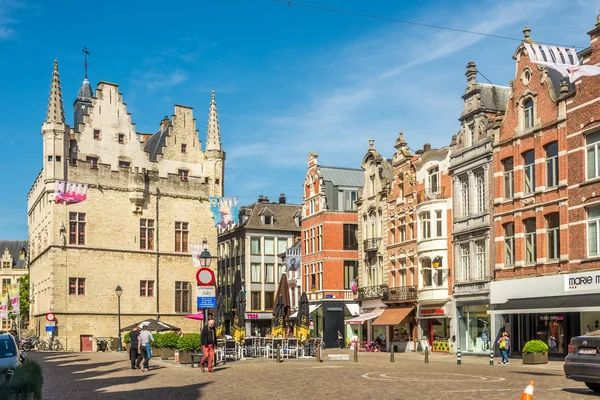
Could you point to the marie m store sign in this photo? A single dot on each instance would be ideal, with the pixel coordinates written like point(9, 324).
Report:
point(582, 282)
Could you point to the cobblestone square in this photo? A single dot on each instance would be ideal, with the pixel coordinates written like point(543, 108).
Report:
point(108, 376)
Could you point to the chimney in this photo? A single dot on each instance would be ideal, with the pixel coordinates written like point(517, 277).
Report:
point(427, 147)
point(282, 198)
point(260, 198)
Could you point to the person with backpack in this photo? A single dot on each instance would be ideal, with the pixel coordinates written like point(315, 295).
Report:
point(504, 345)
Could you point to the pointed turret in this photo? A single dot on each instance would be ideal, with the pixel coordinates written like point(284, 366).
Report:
point(55, 132)
point(56, 112)
point(213, 135)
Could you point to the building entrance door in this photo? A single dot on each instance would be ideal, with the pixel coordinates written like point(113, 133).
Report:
point(85, 342)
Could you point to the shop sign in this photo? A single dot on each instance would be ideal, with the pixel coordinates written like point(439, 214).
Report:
point(251, 316)
point(334, 309)
point(431, 311)
point(583, 281)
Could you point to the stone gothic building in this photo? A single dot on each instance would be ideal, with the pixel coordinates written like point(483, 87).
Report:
point(147, 202)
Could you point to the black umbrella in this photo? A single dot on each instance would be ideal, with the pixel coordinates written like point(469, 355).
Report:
point(238, 330)
point(302, 331)
point(279, 316)
point(220, 316)
point(153, 325)
point(284, 291)
point(235, 289)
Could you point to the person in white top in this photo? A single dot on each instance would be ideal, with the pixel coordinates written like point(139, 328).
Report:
point(144, 340)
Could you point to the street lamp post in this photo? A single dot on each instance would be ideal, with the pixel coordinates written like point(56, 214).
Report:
point(205, 259)
point(119, 292)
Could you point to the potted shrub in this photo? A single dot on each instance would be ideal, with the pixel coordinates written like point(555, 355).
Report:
point(535, 352)
point(127, 341)
point(169, 343)
point(188, 344)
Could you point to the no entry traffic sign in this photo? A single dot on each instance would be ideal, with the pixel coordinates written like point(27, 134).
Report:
point(205, 277)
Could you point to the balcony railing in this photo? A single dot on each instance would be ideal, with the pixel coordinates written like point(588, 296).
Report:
point(371, 244)
point(430, 194)
point(371, 292)
point(401, 293)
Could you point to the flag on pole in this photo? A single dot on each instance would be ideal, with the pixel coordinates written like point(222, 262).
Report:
point(4, 308)
point(13, 295)
point(561, 59)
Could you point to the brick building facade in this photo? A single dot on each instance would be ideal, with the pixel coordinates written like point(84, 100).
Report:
point(329, 245)
point(546, 169)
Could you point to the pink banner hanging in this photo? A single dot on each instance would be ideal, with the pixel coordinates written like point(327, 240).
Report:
point(69, 192)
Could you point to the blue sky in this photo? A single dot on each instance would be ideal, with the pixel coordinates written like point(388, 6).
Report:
point(288, 80)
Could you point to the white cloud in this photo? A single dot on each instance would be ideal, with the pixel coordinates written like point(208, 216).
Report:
point(396, 78)
point(154, 80)
point(7, 7)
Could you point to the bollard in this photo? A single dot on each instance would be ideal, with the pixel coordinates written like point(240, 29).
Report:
point(426, 354)
point(392, 354)
point(458, 360)
point(356, 352)
point(318, 353)
point(278, 359)
point(491, 356)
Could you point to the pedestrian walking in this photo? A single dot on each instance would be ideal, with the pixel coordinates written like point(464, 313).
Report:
point(504, 345)
point(340, 340)
point(144, 341)
point(208, 338)
point(135, 355)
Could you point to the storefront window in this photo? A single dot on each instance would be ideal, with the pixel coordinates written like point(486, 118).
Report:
point(551, 330)
point(474, 329)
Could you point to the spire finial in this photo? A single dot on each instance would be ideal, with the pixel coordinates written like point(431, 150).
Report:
point(527, 33)
point(598, 19)
point(213, 134)
point(56, 112)
point(85, 60)
point(471, 72)
point(371, 143)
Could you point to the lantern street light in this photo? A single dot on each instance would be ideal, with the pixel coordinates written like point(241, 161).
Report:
point(205, 258)
point(119, 292)
point(437, 262)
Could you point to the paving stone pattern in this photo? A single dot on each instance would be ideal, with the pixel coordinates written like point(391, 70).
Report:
point(108, 376)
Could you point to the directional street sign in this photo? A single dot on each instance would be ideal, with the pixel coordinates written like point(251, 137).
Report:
point(206, 296)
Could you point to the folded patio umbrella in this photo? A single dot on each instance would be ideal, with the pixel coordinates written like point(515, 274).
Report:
point(238, 330)
point(220, 316)
point(153, 325)
point(284, 291)
point(302, 329)
point(278, 330)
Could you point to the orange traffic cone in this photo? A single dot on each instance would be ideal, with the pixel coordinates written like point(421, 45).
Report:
point(528, 393)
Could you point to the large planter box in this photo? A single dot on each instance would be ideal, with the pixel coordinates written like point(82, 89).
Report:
point(535, 358)
point(185, 357)
point(166, 353)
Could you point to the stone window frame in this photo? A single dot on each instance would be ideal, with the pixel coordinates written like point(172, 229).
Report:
point(182, 234)
point(525, 98)
point(592, 142)
point(509, 244)
point(530, 239)
point(552, 236)
point(77, 229)
point(528, 171)
point(593, 222)
point(121, 138)
point(147, 288)
point(551, 163)
point(97, 134)
point(77, 283)
point(508, 177)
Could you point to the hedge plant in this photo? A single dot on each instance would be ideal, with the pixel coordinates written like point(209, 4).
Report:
point(170, 340)
point(189, 342)
point(126, 338)
point(535, 346)
point(158, 340)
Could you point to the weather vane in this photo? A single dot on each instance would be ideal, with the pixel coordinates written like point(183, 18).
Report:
point(85, 61)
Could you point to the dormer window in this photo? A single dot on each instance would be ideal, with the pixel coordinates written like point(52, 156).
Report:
point(183, 174)
point(528, 113)
point(268, 220)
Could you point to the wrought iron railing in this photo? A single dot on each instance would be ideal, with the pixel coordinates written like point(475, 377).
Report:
point(430, 194)
point(371, 244)
point(402, 293)
point(371, 292)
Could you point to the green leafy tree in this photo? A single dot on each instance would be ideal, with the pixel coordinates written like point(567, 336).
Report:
point(24, 297)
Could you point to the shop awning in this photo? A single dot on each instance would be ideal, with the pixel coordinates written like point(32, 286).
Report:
point(365, 317)
point(354, 309)
point(393, 316)
point(311, 308)
point(547, 305)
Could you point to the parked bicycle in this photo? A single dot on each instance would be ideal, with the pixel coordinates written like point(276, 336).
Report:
point(29, 343)
point(55, 345)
